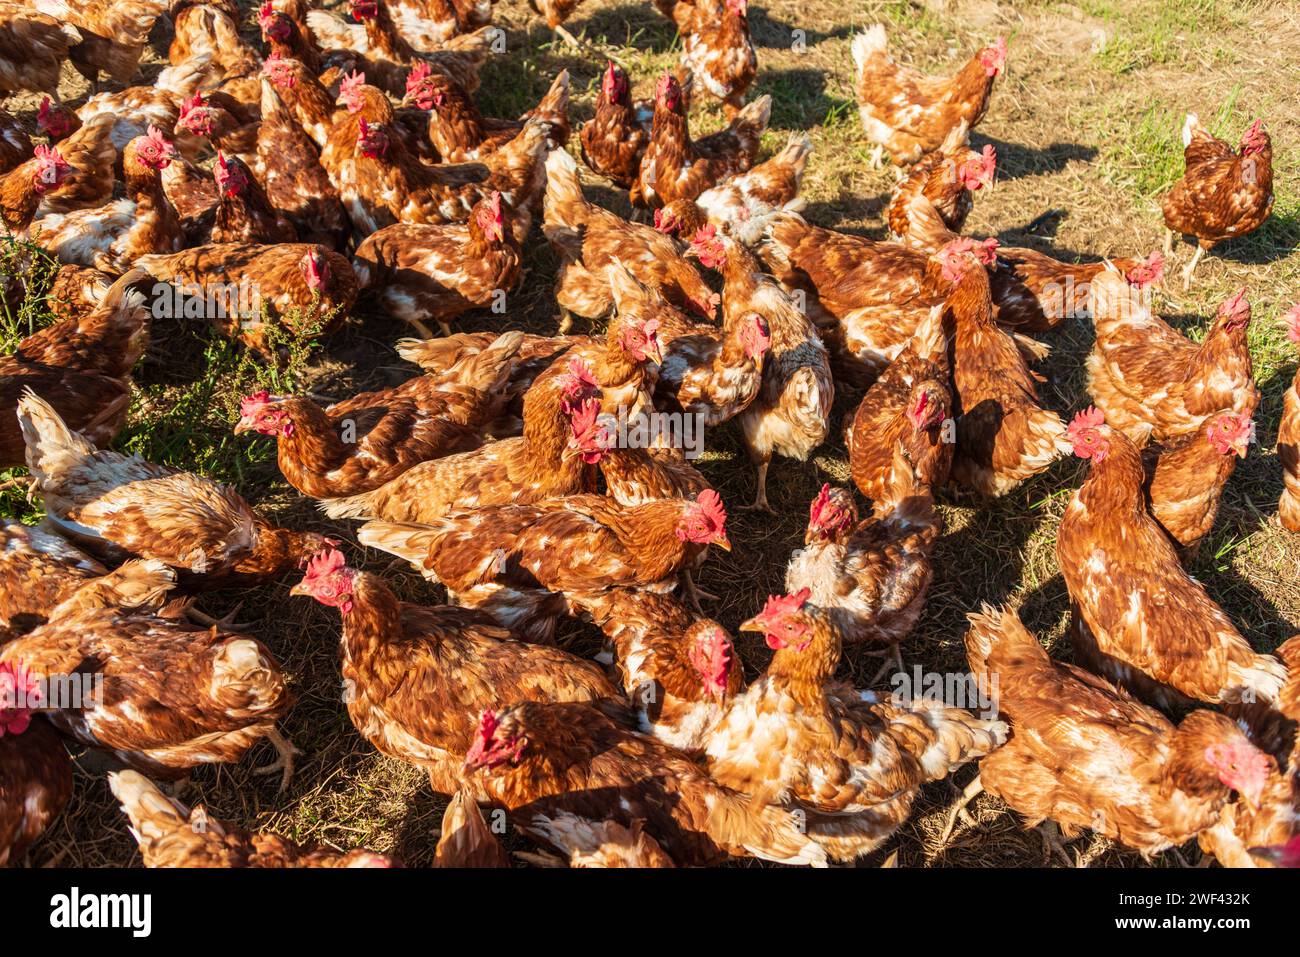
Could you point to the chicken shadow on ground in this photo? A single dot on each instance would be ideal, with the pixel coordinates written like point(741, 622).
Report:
point(863, 214)
point(769, 33)
point(799, 97)
point(1016, 160)
point(1042, 227)
point(1266, 627)
point(637, 25)
point(512, 85)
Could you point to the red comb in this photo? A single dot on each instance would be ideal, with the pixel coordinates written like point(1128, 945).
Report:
point(778, 606)
point(20, 692)
point(578, 380)
point(1089, 418)
point(711, 503)
point(325, 563)
point(1236, 304)
point(155, 136)
point(1292, 319)
point(251, 403)
point(1147, 273)
point(666, 87)
point(584, 416)
point(487, 729)
point(418, 74)
point(49, 156)
point(819, 504)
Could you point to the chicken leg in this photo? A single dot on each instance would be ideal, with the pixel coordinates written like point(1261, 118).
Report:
point(1191, 268)
point(760, 499)
point(959, 810)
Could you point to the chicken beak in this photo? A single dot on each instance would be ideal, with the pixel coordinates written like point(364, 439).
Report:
point(722, 542)
point(752, 625)
point(243, 425)
point(298, 589)
point(1254, 797)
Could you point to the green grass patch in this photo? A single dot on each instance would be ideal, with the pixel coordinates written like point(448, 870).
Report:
point(26, 271)
point(1161, 32)
point(190, 426)
point(1144, 154)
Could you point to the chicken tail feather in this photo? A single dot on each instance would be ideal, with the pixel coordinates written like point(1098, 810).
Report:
point(138, 583)
point(763, 830)
point(564, 204)
point(153, 815)
point(52, 447)
point(868, 43)
point(404, 539)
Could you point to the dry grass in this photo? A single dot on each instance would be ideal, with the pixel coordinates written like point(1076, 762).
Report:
point(1086, 122)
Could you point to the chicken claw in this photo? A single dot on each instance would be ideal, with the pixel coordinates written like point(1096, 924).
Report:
point(693, 593)
point(959, 810)
point(225, 623)
point(284, 763)
point(1051, 835)
point(894, 659)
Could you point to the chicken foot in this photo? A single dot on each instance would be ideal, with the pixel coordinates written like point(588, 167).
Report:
point(973, 790)
point(1051, 835)
point(225, 623)
point(894, 659)
point(284, 763)
point(694, 594)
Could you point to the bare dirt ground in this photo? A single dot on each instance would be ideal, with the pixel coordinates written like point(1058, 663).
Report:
point(1085, 122)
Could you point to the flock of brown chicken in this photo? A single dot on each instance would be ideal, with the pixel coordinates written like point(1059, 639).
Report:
point(340, 161)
